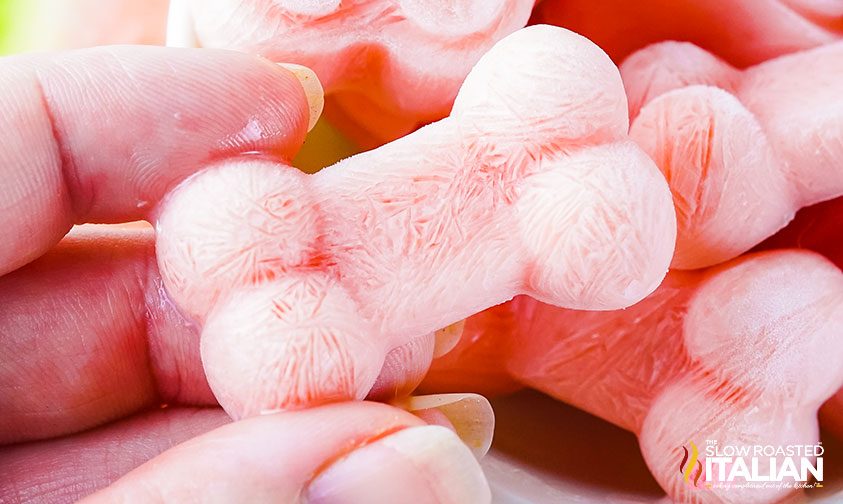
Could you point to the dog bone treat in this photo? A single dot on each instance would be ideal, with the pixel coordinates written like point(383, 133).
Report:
point(741, 150)
point(818, 228)
point(740, 353)
point(743, 32)
point(387, 65)
point(303, 283)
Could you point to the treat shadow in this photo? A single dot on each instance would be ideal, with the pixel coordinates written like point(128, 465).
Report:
point(547, 451)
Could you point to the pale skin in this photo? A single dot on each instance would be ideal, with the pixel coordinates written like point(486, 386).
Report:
point(88, 337)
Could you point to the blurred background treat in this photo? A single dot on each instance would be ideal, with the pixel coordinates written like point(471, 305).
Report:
point(28, 25)
point(742, 32)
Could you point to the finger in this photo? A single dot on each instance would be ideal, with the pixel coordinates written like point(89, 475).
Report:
point(469, 415)
point(88, 335)
point(48, 471)
point(100, 135)
point(348, 452)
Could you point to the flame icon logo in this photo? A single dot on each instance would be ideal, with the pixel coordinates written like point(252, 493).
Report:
point(690, 461)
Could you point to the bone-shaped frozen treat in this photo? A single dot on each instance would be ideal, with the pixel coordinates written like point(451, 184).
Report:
point(818, 228)
point(741, 150)
point(741, 353)
point(743, 32)
point(304, 282)
point(401, 59)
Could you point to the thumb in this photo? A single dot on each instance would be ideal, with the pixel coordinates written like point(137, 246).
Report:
point(348, 452)
point(164, 114)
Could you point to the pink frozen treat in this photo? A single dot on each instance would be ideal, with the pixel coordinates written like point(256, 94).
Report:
point(387, 66)
point(741, 150)
point(743, 32)
point(818, 228)
point(741, 354)
point(303, 283)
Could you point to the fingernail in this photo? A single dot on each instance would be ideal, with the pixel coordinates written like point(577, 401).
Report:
point(470, 415)
point(417, 464)
point(312, 90)
point(446, 339)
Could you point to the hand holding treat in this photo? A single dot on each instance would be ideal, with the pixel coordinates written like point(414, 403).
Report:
point(272, 293)
point(90, 340)
point(743, 152)
point(682, 364)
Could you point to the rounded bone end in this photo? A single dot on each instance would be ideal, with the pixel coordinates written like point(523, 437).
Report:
point(544, 84)
point(728, 186)
point(665, 66)
point(692, 416)
point(780, 329)
point(599, 228)
point(289, 344)
point(234, 225)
